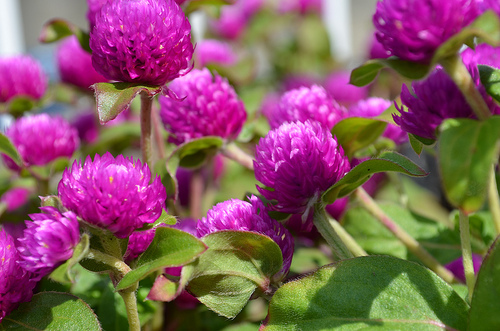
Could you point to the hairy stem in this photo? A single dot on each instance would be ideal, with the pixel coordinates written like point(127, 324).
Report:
point(331, 236)
point(470, 277)
point(347, 239)
point(233, 152)
point(130, 300)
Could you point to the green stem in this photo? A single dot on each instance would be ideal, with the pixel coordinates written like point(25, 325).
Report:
point(197, 187)
point(130, 300)
point(328, 232)
point(233, 152)
point(157, 132)
point(411, 244)
point(456, 69)
point(146, 105)
point(347, 239)
point(119, 267)
point(494, 200)
point(470, 277)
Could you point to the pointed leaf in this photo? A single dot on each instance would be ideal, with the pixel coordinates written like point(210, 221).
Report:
point(52, 311)
point(467, 149)
point(113, 98)
point(63, 273)
point(387, 161)
point(58, 29)
point(367, 292)
point(355, 133)
point(490, 78)
point(8, 148)
point(170, 248)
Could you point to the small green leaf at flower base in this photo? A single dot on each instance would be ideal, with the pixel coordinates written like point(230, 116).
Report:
point(52, 311)
point(484, 311)
point(236, 264)
point(387, 161)
point(170, 248)
point(467, 149)
point(63, 273)
point(490, 78)
point(372, 292)
point(355, 133)
point(8, 148)
point(113, 98)
point(58, 29)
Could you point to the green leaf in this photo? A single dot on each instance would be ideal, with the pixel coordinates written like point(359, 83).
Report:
point(8, 148)
point(63, 273)
point(355, 133)
point(490, 78)
point(170, 248)
point(367, 292)
point(387, 161)
point(58, 29)
point(197, 5)
point(113, 98)
point(467, 149)
point(52, 311)
point(235, 265)
point(17, 106)
point(485, 311)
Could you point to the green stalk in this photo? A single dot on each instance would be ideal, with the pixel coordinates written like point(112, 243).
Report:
point(146, 105)
point(470, 277)
point(494, 200)
point(233, 152)
point(346, 238)
point(130, 300)
point(411, 244)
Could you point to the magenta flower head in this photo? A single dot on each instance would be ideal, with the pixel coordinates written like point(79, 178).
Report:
point(208, 106)
point(337, 84)
point(21, 76)
point(94, 6)
point(15, 286)
point(482, 54)
point(141, 41)
point(234, 18)
point(212, 51)
point(305, 103)
point(75, 65)
point(15, 197)
point(251, 216)
point(48, 241)
point(413, 30)
point(41, 139)
point(296, 163)
point(300, 6)
point(489, 5)
point(112, 193)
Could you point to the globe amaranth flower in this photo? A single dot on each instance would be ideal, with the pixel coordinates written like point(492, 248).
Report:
point(234, 18)
point(212, 51)
point(412, 30)
point(15, 197)
point(41, 139)
point(482, 54)
point(15, 286)
point(373, 107)
point(208, 106)
point(75, 64)
point(48, 241)
point(305, 103)
point(489, 5)
point(337, 84)
point(141, 41)
point(296, 163)
point(94, 6)
point(252, 216)
point(430, 102)
point(112, 193)
point(21, 76)
point(300, 6)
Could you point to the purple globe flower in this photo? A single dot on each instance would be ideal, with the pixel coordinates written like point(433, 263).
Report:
point(337, 84)
point(15, 197)
point(94, 6)
point(234, 18)
point(482, 54)
point(112, 194)
point(300, 6)
point(41, 139)
point(413, 30)
point(15, 286)
point(21, 76)
point(208, 106)
point(214, 51)
point(431, 101)
point(248, 216)
point(296, 163)
point(489, 4)
point(307, 104)
point(377, 50)
point(141, 41)
point(75, 65)
point(48, 241)
point(373, 107)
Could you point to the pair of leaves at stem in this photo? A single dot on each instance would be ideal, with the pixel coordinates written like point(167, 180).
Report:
point(486, 27)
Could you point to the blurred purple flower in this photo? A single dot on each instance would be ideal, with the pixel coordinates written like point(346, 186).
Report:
point(21, 76)
point(489, 4)
point(457, 266)
point(75, 65)
point(208, 106)
point(15, 197)
point(307, 104)
point(113, 194)
point(482, 54)
point(141, 41)
point(337, 84)
point(41, 139)
point(234, 18)
point(377, 50)
point(413, 30)
point(48, 241)
point(291, 82)
point(15, 286)
point(251, 216)
point(212, 51)
point(300, 6)
point(296, 163)
point(94, 6)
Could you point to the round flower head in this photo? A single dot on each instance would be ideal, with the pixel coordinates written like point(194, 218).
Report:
point(41, 139)
point(15, 286)
point(240, 215)
point(112, 194)
point(412, 30)
point(234, 18)
point(307, 103)
point(214, 51)
point(296, 163)
point(373, 107)
point(15, 198)
point(94, 6)
point(337, 84)
point(21, 76)
point(75, 64)
point(48, 241)
point(209, 106)
point(141, 41)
